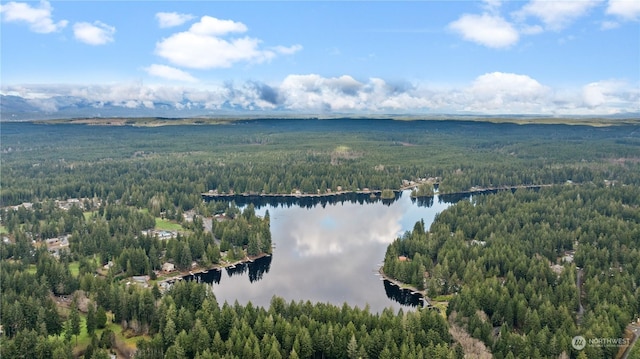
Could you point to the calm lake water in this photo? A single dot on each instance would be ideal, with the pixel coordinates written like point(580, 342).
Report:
point(327, 251)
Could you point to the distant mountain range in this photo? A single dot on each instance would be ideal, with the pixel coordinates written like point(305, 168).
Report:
point(16, 108)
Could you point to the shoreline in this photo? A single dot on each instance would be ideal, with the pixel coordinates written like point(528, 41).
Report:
point(376, 192)
point(371, 192)
point(405, 286)
point(218, 266)
point(292, 195)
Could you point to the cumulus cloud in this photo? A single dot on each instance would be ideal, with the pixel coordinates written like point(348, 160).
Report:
point(211, 26)
point(169, 73)
point(499, 91)
point(556, 15)
point(268, 94)
point(346, 94)
point(171, 19)
point(97, 33)
point(38, 17)
point(204, 47)
point(488, 30)
point(490, 93)
point(610, 94)
point(624, 9)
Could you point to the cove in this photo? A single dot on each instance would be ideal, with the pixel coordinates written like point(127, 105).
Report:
point(327, 250)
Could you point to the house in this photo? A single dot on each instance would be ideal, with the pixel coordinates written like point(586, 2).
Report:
point(168, 267)
point(568, 256)
point(189, 215)
point(403, 258)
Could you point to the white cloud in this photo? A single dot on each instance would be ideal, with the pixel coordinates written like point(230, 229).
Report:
point(491, 93)
point(38, 18)
point(507, 92)
point(202, 46)
point(531, 29)
point(488, 30)
point(610, 94)
point(171, 19)
point(211, 26)
point(97, 33)
point(205, 52)
point(556, 15)
point(169, 73)
point(492, 5)
point(288, 50)
point(344, 94)
point(625, 9)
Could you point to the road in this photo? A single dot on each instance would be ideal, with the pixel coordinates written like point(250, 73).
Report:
point(635, 328)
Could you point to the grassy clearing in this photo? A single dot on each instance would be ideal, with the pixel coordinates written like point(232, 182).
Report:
point(3, 230)
point(125, 337)
point(84, 339)
point(31, 269)
point(74, 268)
point(166, 225)
point(442, 306)
point(635, 352)
point(442, 302)
point(88, 214)
point(443, 298)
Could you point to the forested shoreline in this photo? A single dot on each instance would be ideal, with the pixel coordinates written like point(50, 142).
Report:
point(282, 157)
point(94, 217)
point(511, 259)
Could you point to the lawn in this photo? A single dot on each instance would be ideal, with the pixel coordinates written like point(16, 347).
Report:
point(442, 302)
point(166, 225)
point(74, 268)
point(84, 339)
point(88, 214)
point(31, 269)
point(635, 352)
point(3, 230)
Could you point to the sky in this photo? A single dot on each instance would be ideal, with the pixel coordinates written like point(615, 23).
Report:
point(576, 57)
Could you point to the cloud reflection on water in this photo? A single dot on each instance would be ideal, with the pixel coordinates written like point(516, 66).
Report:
point(337, 229)
point(329, 253)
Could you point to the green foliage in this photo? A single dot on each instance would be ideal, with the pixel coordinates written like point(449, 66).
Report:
point(91, 321)
point(496, 253)
point(180, 162)
point(298, 329)
point(492, 256)
point(101, 318)
point(163, 224)
point(423, 190)
point(387, 194)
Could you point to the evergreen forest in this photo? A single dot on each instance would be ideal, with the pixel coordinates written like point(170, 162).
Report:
point(98, 221)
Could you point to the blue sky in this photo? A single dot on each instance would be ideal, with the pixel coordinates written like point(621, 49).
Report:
point(492, 57)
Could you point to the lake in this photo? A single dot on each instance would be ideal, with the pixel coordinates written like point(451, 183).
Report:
point(327, 250)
